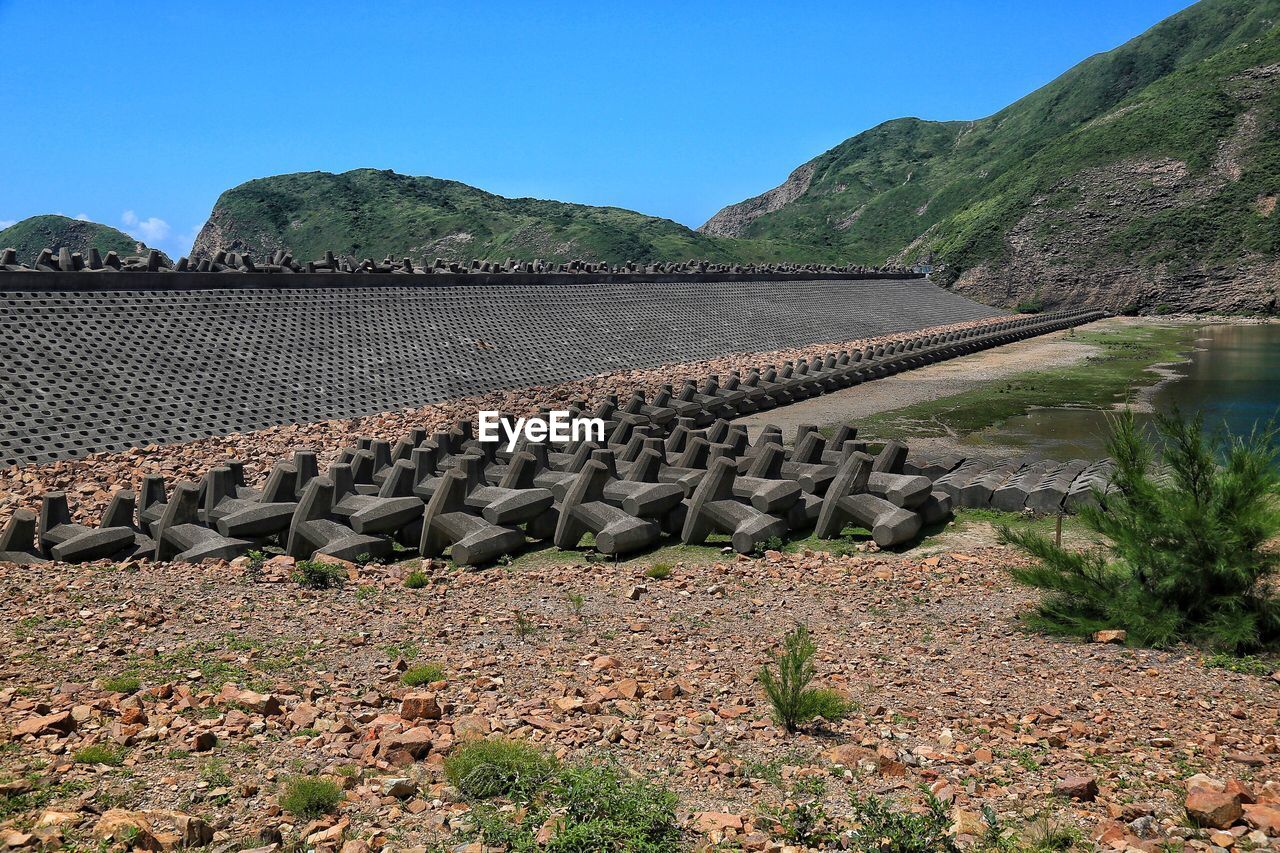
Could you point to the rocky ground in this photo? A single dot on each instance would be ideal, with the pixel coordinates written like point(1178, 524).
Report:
point(211, 685)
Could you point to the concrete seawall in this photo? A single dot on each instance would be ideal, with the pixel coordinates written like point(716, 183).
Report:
point(90, 366)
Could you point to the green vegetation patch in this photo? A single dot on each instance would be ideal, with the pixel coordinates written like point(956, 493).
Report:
point(427, 673)
point(1100, 381)
point(122, 684)
point(1188, 555)
point(499, 767)
point(310, 796)
point(583, 807)
point(100, 753)
point(314, 574)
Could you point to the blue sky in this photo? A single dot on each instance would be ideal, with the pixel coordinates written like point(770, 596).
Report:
point(139, 114)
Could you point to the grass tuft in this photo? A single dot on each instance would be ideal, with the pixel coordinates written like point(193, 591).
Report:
point(128, 684)
point(499, 767)
point(427, 673)
point(314, 574)
point(99, 753)
point(658, 571)
point(310, 796)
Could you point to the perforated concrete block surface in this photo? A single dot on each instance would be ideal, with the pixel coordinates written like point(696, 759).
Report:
point(88, 371)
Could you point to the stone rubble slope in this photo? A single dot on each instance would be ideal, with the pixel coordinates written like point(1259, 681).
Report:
point(247, 679)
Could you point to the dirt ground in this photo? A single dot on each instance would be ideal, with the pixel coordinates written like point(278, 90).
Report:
point(929, 383)
point(247, 680)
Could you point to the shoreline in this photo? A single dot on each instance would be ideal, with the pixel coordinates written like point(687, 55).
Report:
point(930, 389)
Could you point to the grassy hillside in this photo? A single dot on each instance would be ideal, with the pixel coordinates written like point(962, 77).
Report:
point(372, 213)
point(50, 231)
point(1169, 142)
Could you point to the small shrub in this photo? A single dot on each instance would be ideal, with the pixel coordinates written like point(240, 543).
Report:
point(314, 574)
point(996, 837)
point(122, 684)
point(310, 796)
point(773, 543)
point(524, 626)
point(253, 569)
point(416, 579)
point(99, 753)
point(805, 821)
point(427, 673)
point(592, 807)
point(484, 769)
point(1049, 835)
point(882, 826)
point(794, 701)
point(658, 571)
point(603, 810)
point(213, 773)
point(576, 601)
point(1187, 558)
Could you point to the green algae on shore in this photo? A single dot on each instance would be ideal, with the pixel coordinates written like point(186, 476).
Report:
point(1110, 376)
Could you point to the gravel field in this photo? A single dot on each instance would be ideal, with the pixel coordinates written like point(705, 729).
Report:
point(246, 680)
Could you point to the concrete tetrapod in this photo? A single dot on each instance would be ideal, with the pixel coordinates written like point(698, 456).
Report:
point(18, 541)
point(847, 500)
point(181, 537)
point(584, 509)
point(314, 530)
point(68, 542)
point(448, 521)
point(714, 507)
point(267, 515)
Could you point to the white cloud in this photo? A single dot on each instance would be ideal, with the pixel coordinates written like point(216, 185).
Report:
point(159, 234)
point(83, 217)
point(153, 230)
point(5, 223)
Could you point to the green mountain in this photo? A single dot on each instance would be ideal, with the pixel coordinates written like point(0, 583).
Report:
point(1145, 177)
point(51, 231)
point(373, 213)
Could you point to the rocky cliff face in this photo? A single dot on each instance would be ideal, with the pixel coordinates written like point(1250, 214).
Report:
point(733, 220)
point(1071, 246)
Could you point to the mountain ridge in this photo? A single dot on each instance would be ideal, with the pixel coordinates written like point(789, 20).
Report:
point(53, 231)
point(372, 212)
point(972, 196)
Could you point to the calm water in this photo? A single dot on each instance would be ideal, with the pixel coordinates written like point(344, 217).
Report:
point(1233, 377)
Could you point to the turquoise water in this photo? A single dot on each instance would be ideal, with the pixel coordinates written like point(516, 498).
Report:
point(1233, 377)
